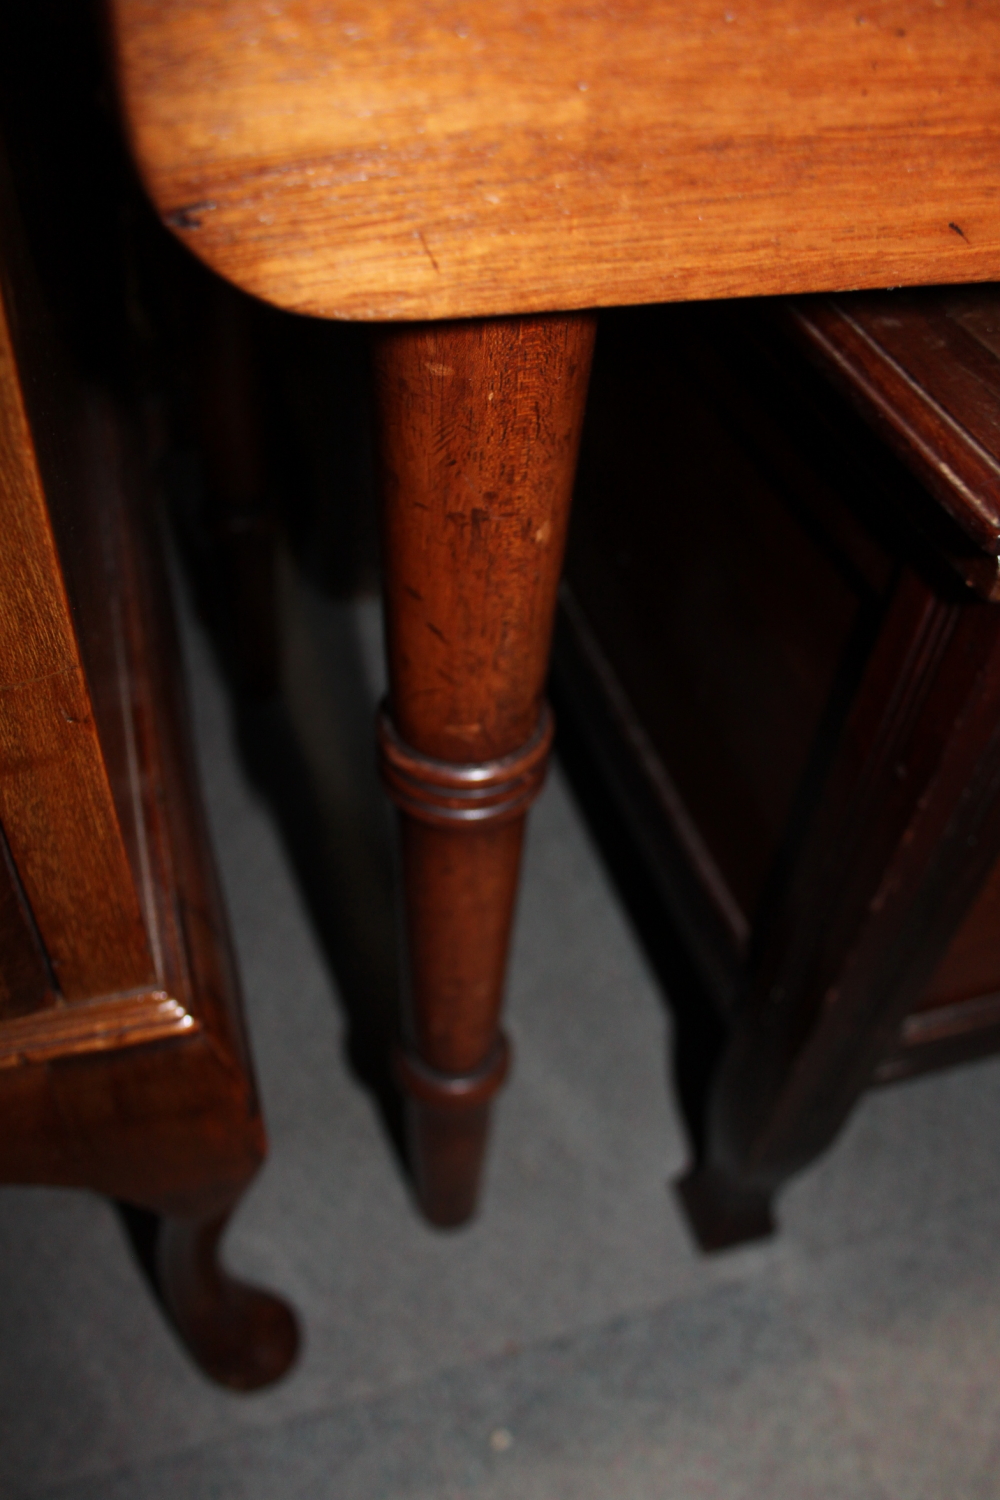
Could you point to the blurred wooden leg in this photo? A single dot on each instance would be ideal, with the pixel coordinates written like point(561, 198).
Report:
point(241, 1336)
point(479, 429)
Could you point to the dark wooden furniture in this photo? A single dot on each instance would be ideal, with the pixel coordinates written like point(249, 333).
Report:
point(124, 1064)
point(420, 161)
point(779, 639)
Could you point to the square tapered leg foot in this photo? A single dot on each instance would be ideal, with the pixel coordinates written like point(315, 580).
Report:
point(720, 1213)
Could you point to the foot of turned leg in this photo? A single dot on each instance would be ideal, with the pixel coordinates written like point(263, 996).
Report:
point(240, 1336)
point(447, 1127)
point(721, 1213)
point(461, 831)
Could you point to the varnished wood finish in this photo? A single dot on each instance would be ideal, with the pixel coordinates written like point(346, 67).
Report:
point(123, 1063)
point(56, 804)
point(412, 161)
point(25, 982)
point(214, 1313)
point(479, 429)
point(416, 160)
point(706, 618)
point(923, 370)
point(148, 1097)
point(782, 648)
point(898, 874)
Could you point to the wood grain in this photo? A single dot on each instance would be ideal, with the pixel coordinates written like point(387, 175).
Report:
point(56, 804)
point(25, 980)
point(479, 426)
point(924, 370)
point(141, 1090)
point(96, 1026)
point(768, 655)
point(429, 158)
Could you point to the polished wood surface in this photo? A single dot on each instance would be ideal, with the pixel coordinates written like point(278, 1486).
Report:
point(479, 429)
point(893, 861)
point(779, 644)
point(722, 609)
point(25, 981)
point(923, 370)
point(146, 1094)
point(124, 1066)
point(56, 804)
point(414, 159)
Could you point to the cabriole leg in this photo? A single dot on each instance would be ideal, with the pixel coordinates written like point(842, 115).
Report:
point(240, 1335)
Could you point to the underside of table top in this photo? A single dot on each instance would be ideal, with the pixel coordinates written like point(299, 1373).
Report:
point(410, 159)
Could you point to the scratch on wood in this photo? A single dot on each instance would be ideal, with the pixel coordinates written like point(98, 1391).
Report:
point(187, 217)
point(430, 257)
point(958, 230)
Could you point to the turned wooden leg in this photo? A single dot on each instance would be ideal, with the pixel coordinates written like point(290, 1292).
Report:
point(241, 1336)
point(479, 426)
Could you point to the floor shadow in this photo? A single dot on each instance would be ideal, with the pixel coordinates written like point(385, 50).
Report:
point(276, 534)
point(142, 1230)
point(341, 862)
point(698, 1032)
point(334, 829)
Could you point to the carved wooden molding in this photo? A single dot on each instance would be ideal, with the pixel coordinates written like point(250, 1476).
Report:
point(453, 1090)
point(103, 1025)
point(455, 796)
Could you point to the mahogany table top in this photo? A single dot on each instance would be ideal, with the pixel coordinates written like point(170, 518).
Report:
point(406, 159)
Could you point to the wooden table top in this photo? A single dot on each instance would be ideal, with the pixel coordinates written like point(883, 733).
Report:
point(401, 159)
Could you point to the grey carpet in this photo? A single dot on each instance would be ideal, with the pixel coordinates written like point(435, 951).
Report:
point(571, 1342)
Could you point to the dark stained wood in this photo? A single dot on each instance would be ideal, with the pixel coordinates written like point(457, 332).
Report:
point(246, 1338)
point(723, 612)
point(479, 429)
point(733, 511)
point(243, 524)
point(424, 160)
point(480, 425)
point(25, 981)
point(123, 1062)
point(817, 1022)
point(148, 1096)
point(971, 966)
point(56, 804)
point(413, 161)
point(921, 369)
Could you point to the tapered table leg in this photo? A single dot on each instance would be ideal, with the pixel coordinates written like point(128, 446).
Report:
point(479, 426)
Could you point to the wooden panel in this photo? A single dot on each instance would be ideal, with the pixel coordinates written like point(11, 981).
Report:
point(55, 801)
point(971, 966)
point(25, 981)
point(724, 618)
point(924, 370)
point(390, 159)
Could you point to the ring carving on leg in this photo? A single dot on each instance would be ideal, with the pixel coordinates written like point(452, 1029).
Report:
point(427, 1086)
point(451, 795)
